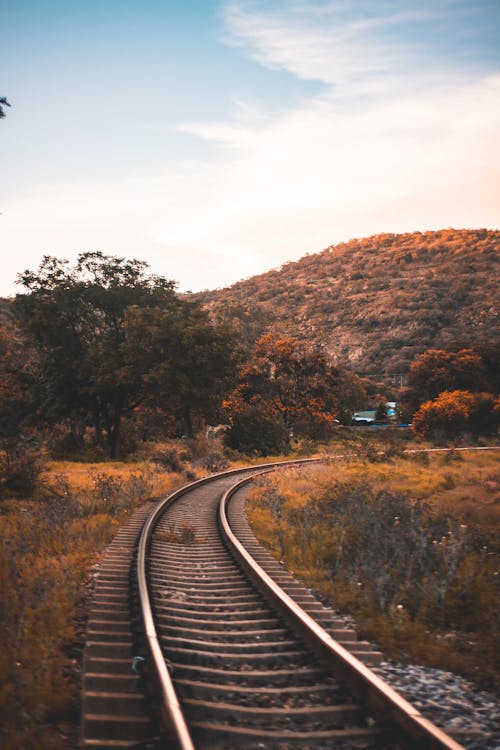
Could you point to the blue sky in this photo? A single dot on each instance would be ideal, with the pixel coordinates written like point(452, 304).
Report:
point(216, 140)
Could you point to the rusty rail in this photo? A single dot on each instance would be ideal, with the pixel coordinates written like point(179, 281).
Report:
point(367, 687)
point(170, 709)
point(415, 729)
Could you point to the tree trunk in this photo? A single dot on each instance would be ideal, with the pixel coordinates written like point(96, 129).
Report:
point(188, 424)
point(112, 426)
point(98, 429)
point(77, 428)
point(115, 436)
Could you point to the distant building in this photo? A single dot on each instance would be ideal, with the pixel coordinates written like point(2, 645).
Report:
point(364, 417)
point(392, 409)
point(369, 416)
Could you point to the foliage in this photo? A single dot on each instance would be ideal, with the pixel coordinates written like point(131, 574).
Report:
point(296, 385)
point(438, 370)
point(256, 431)
point(381, 412)
point(454, 412)
point(21, 470)
point(168, 457)
point(247, 321)
point(183, 534)
point(186, 362)
point(394, 547)
point(379, 302)
point(109, 338)
point(75, 318)
point(3, 103)
point(207, 453)
point(488, 351)
point(17, 381)
point(21, 461)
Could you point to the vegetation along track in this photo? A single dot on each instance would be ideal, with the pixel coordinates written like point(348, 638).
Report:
point(199, 639)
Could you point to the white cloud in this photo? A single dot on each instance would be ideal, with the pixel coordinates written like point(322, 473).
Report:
point(324, 173)
point(354, 47)
point(418, 152)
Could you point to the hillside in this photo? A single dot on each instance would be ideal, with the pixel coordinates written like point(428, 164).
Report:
point(375, 303)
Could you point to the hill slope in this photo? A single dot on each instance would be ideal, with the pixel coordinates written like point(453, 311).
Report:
point(375, 303)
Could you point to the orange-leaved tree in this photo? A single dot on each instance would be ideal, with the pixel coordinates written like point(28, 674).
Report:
point(453, 412)
point(438, 370)
point(299, 387)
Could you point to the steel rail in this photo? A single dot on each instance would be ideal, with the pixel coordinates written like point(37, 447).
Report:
point(170, 709)
point(367, 686)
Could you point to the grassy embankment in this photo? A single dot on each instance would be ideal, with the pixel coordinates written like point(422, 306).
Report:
point(50, 544)
point(407, 544)
point(52, 541)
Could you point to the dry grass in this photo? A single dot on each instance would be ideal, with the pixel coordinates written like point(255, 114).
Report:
point(408, 545)
point(464, 483)
point(50, 544)
point(52, 541)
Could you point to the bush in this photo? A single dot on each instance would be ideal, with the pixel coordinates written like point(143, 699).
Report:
point(20, 472)
point(208, 453)
point(169, 458)
point(410, 575)
point(255, 431)
point(454, 412)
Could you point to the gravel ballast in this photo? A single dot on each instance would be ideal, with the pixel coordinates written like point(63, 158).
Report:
point(470, 715)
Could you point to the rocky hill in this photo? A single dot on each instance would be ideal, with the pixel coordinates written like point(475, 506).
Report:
point(375, 303)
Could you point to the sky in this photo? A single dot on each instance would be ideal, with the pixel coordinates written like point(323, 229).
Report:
point(218, 140)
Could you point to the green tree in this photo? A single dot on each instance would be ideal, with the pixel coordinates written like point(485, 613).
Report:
point(256, 431)
point(186, 363)
point(75, 318)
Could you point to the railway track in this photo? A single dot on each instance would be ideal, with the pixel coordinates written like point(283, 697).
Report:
point(199, 639)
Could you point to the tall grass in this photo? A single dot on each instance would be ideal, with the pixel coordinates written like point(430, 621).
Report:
point(407, 545)
point(49, 546)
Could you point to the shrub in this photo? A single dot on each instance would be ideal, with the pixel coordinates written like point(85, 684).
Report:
point(20, 472)
point(412, 575)
point(168, 457)
point(255, 431)
point(208, 453)
point(454, 412)
point(185, 534)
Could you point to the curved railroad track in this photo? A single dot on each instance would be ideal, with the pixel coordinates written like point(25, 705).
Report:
point(197, 638)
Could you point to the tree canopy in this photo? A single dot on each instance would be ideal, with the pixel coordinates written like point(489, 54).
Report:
point(284, 379)
point(16, 383)
point(438, 370)
point(455, 412)
point(186, 362)
point(110, 337)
